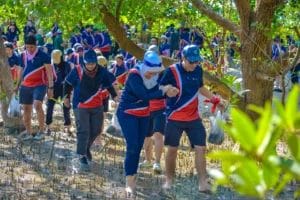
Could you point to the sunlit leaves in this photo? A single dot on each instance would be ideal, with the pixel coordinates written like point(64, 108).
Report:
point(257, 169)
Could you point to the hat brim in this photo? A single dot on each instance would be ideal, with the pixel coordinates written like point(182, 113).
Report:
point(194, 58)
point(89, 61)
point(153, 69)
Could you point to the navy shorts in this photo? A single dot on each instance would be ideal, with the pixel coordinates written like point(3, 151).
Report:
point(194, 130)
point(157, 122)
point(105, 104)
point(29, 94)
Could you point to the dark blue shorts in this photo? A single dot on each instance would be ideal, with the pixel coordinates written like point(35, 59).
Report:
point(194, 130)
point(29, 94)
point(105, 103)
point(157, 122)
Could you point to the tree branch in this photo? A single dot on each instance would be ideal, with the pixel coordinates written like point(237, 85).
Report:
point(119, 34)
point(244, 9)
point(228, 25)
point(118, 10)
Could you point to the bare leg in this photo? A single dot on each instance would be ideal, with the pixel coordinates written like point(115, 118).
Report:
point(170, 166)
point(130, 185)
point(158, 146)
point(38, 105)
point(27, 117)
point(148, 146)
point(200, 164)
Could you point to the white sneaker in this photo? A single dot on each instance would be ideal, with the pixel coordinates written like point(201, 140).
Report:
point(157, 168)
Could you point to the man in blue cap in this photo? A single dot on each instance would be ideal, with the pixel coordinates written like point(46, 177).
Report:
point(182, 113)
point(88, 82)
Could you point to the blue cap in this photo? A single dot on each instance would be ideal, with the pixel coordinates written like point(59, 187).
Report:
point(69, 51)
point(90, 56)
point(191, 53)
point(152, 61)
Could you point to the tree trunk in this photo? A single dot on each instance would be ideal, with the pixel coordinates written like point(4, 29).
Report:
point(6, 87)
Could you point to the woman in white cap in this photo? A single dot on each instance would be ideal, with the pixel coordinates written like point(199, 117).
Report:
point(133, 111)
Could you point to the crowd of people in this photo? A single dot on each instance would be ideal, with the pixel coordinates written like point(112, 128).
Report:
point(151, 101)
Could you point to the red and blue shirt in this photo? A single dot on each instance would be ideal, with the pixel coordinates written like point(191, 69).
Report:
point(135, 97)
point(14, 62)
point(34, 71)
point(88, 90)
point(183, 107)
point(120, 72)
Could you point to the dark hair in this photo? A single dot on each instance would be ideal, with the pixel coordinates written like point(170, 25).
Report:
point(30, 40)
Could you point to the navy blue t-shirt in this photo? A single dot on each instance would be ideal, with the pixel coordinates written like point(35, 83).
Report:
point(183, 107)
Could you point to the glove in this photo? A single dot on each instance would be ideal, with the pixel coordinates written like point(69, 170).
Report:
point(215, 101)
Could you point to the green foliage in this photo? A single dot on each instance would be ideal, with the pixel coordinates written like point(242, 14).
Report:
point(257, 169)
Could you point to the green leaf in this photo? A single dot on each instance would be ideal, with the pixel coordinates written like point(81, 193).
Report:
point(294, 146)
point(282, 183)
point(227, 155)
point(256, 109)
point(280, 110)
point(264, 132)
point(292, 107)
point(243, 130)
point(270, 174)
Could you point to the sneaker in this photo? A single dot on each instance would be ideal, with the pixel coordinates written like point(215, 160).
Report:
point(48, 132)
point(89, 155)
point(83, 163)
point(39, 136)
point(157, 168)
point(25, 136)
point(145, 164)
point(79, 164)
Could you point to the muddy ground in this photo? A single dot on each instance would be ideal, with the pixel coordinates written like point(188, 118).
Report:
point(45, 170)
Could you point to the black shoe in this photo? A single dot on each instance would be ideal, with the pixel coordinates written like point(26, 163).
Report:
point(89, 155)
point(48, 132)
point(83, 160)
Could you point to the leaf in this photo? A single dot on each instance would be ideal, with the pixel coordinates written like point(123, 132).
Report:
point(265, 130)
point(227, 155)
point(256, 109)
point(292, 107)
point(280, 110)
point(294, 146)
point(282, 183)
point(270, 174)
point(218, 175)
point(243, 130)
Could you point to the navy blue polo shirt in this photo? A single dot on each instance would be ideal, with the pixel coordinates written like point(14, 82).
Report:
point(87, 90)
point(14, 60)
point(183, 107)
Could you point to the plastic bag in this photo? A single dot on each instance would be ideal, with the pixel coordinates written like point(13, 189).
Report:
point(216, 135)
point(115, 121)
point(114, 128)
point(14, 108)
